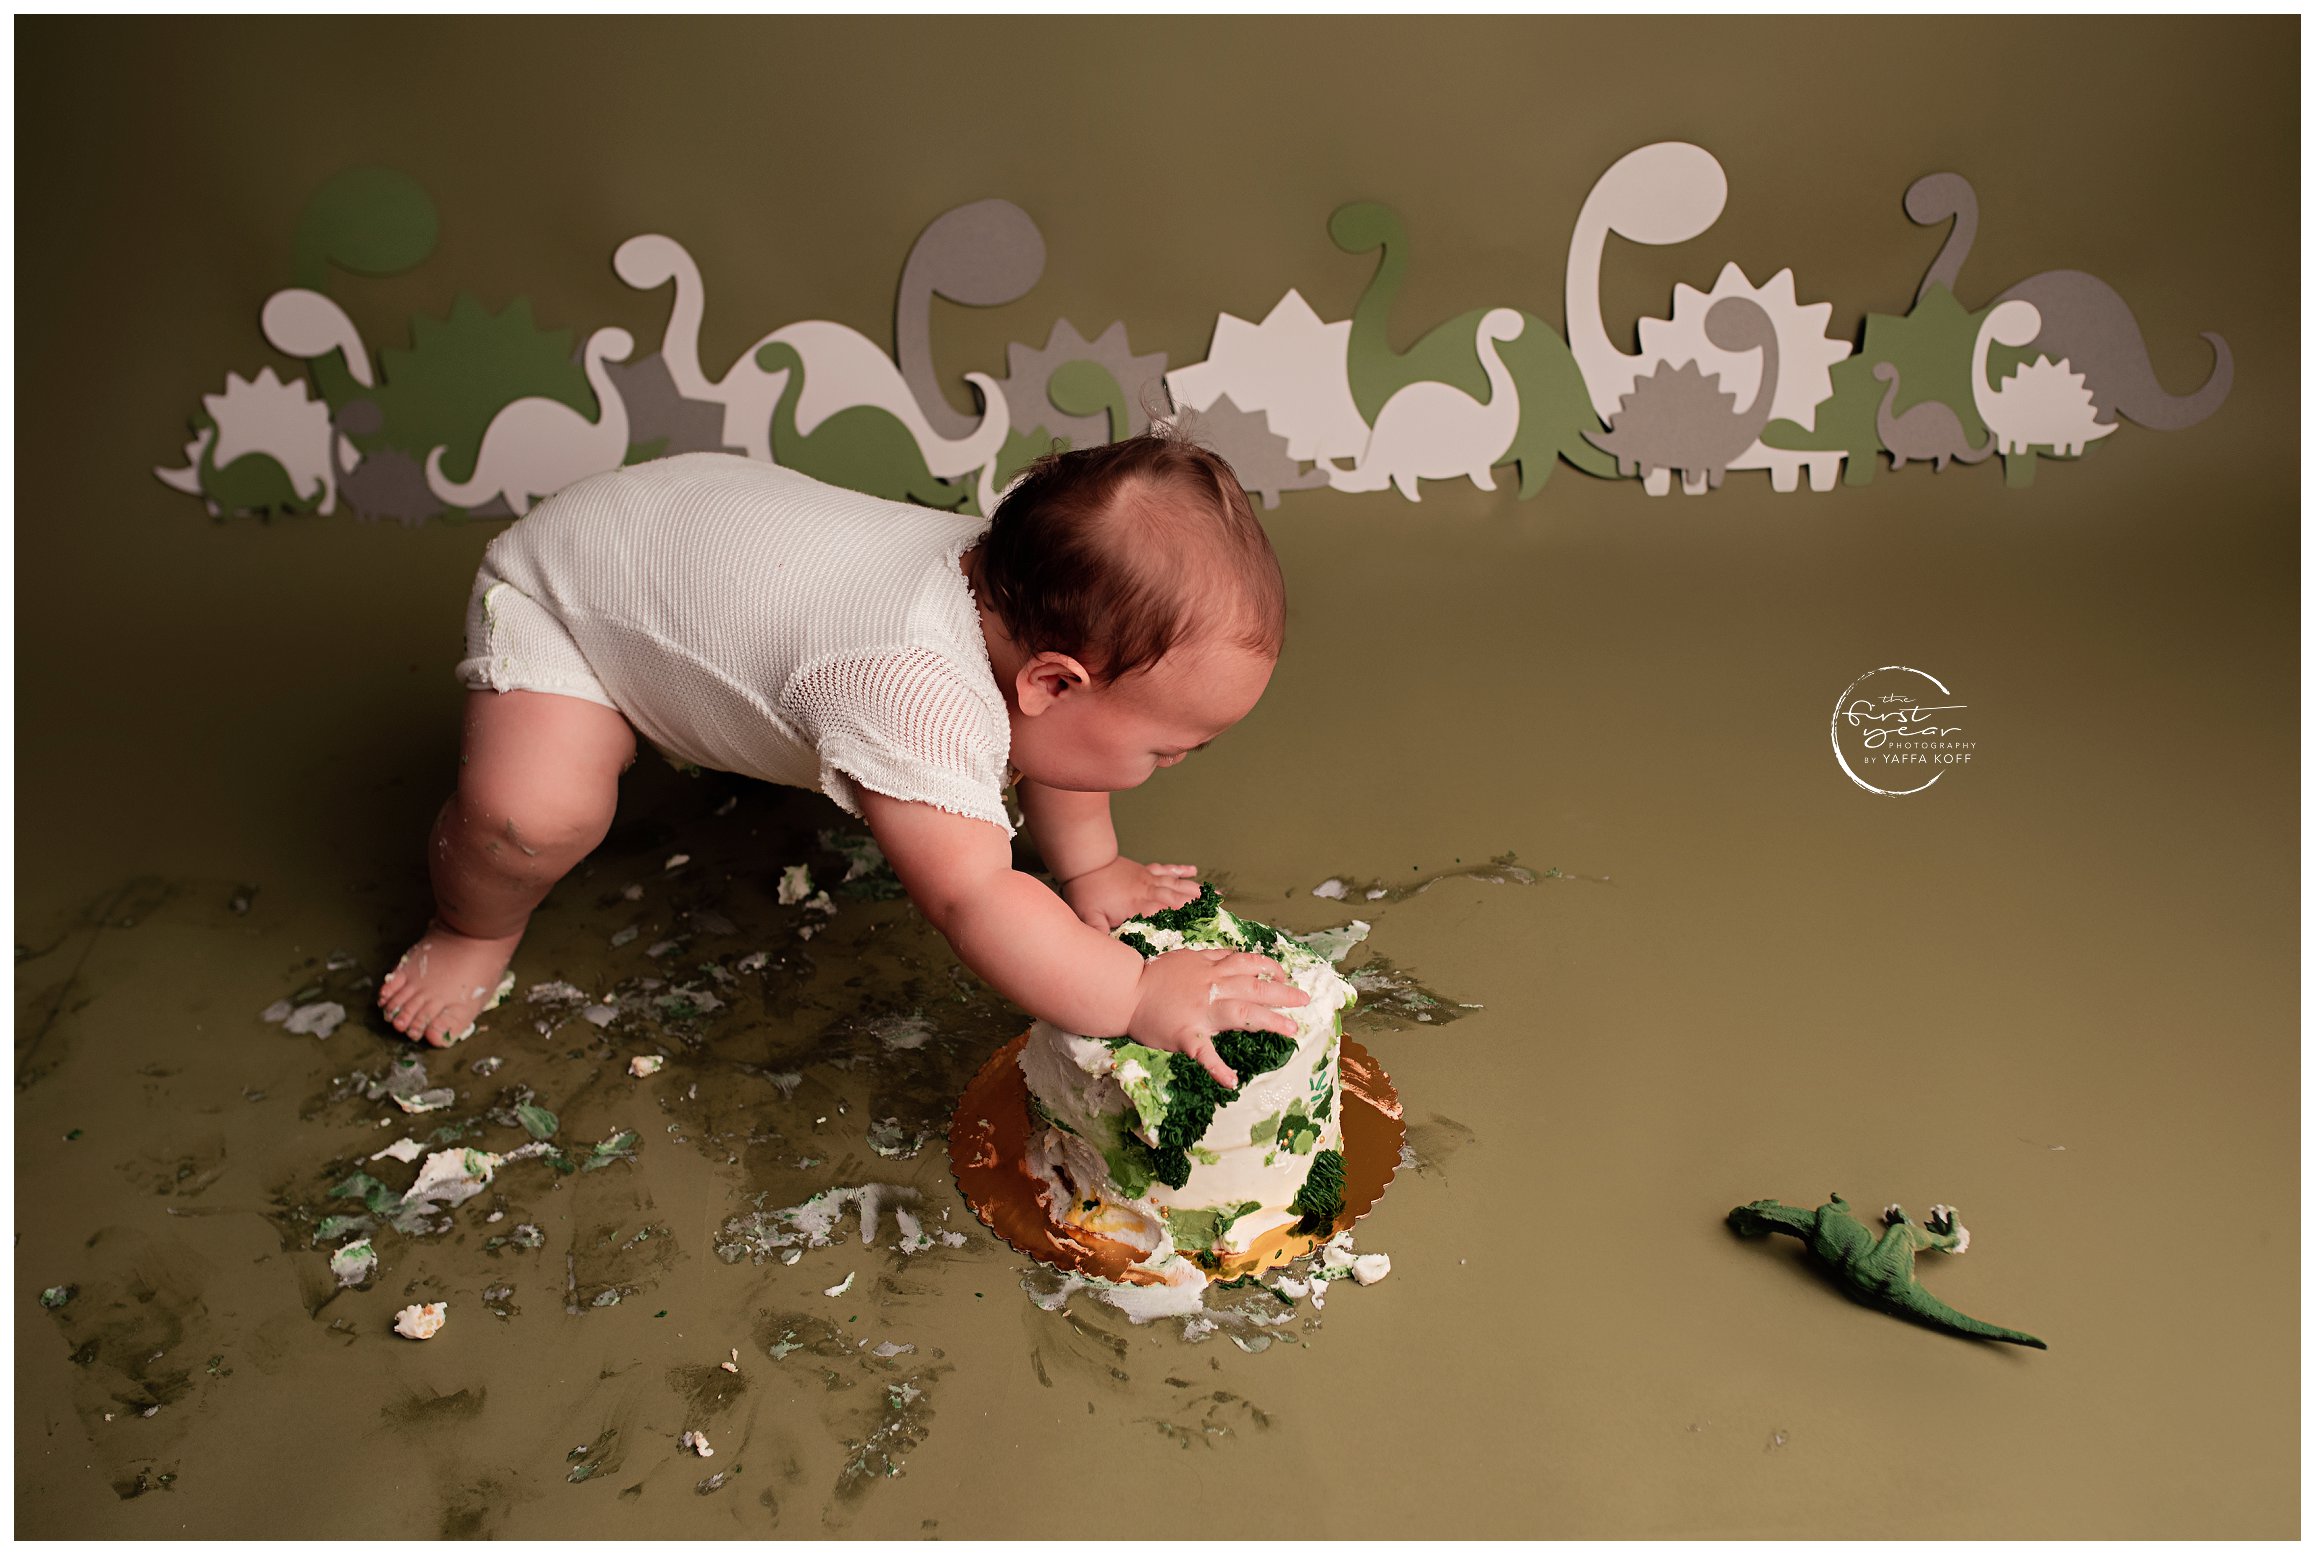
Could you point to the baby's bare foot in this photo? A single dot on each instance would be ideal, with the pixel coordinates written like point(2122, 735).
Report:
point(443, 982)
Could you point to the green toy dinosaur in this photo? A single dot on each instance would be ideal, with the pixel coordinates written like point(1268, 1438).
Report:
point(1881, 1266)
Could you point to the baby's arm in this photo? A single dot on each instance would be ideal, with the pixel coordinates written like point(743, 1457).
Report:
point(1028, 945)
point(1072, 829)
point(1079, 845)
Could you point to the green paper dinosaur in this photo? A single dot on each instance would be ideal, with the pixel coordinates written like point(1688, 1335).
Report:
point(254, 483)
point(1554, 406)
point(1079, 388)
point(861, 447)
point(1880, 1266)
point(457, 375)
point(1014, 455)
point(372, 221)
point(1085, 388)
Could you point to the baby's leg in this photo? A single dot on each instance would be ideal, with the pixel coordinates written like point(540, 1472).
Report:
point(538, 780)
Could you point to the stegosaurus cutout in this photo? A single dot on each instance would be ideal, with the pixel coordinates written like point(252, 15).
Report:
point(458, 373)
point(1028, 384)
point(1258, 456)
point(262, 448)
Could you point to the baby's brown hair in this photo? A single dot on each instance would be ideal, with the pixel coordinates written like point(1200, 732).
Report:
point(1109, 554)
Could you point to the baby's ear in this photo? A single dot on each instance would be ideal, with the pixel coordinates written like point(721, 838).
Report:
point(1046, 679)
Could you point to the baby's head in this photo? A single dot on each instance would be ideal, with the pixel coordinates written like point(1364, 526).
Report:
point(1132, 606)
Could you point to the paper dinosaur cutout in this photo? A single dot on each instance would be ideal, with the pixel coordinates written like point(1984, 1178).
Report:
point(660, 420)
point(537, 445)
point(460, 373)
point(1929, 431)
point(863, 448)
point(1028, 384)
point(258, 448)
point(983, 254)
point(2042, 402)
point(387, 483)
point(1085, 390)
point(1668, 193)
point(370, 221)
point(1429, 430)
point(1677, 418)
point(1879, 1266)
point(1255, 454)
point(1660, 194)
point(1548, 382)
point(745, 394)
point(1291, 368)
point(2079, 319)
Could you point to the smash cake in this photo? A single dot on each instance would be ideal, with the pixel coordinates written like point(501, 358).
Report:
point(1147, 1149)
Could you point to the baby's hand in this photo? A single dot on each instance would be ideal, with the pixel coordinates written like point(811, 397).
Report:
point(1187, 996)
point(1122, 889)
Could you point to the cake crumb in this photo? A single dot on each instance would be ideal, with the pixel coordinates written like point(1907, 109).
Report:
point(421, 1321)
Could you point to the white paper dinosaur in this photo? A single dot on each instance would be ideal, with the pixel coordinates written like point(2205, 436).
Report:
point(537, 446)
point(1434, 431)
point(1293, 367)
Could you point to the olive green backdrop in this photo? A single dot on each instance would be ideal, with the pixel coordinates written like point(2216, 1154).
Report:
point(1177, 169)
point(1628, 687)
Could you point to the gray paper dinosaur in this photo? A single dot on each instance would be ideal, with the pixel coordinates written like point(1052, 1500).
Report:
point(1029, 377)
point(388, 483)
point(1929, 430)
point(2085, 322)
point(1255, 454)
point(984, 255)
point(1678, 418)
point(657, 412)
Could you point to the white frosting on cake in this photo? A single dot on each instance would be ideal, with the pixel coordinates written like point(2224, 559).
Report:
point(1092, 1103)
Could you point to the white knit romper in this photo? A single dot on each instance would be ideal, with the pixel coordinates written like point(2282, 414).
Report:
point(750, 619)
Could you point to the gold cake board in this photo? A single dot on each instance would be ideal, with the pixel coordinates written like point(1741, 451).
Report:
point(989, 1144)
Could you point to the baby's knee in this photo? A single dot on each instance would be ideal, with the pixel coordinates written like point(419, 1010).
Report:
point(560, 819)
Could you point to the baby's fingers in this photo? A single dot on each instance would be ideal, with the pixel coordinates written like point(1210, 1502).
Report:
point(1251, 1010)
point(1201, 1048)
point(1245, 963)
point(1184, 871)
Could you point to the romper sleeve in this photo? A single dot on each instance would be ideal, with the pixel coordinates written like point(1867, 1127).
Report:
point(907, 723)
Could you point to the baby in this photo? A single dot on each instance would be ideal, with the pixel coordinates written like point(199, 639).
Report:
point(1121, 609)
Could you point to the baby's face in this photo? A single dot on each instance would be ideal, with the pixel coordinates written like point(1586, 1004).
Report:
point(1110, 737)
